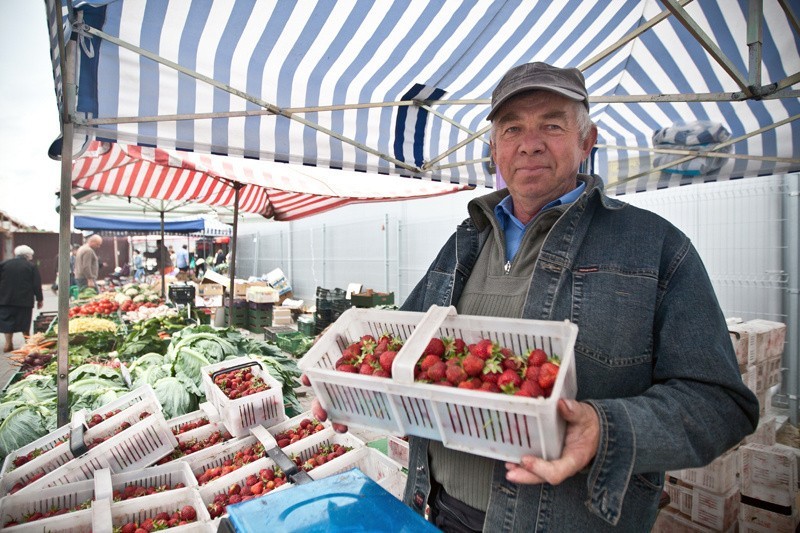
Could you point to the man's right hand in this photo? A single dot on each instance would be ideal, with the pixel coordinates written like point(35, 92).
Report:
point(318, 411)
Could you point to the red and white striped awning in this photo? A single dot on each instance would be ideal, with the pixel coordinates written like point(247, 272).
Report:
point(273, 190)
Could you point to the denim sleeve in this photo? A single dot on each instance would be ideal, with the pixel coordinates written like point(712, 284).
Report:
point(697, 406)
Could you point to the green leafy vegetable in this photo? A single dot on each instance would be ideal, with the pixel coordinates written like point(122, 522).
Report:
point(174, 397)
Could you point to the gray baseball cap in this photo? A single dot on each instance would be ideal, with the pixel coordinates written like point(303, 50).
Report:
point(567, 82)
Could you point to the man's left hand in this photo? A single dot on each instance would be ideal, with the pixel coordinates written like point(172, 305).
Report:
point(580, 446)
point(39, 304)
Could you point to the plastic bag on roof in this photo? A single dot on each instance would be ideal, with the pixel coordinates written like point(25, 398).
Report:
point(697, 135)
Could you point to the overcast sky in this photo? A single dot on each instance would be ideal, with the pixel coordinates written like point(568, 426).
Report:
point(29, 117)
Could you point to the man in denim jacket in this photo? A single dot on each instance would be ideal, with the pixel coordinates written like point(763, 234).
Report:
point(658, 383)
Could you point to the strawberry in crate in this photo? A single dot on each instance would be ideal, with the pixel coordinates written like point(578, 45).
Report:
point(239, 459)
point(306, 427)
point(253, 486)
point(136, 491)
point(33, 454)
point(369, 356)
point(487, 366)
point(54, 511)
point(191, 446)
point(239, 383)
point(163, 520)
point(322, 455)
point(189, 426)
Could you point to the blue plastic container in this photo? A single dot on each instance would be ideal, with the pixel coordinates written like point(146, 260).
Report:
point(349, 501)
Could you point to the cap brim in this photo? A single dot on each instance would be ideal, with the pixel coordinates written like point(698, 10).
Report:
point(572, 95)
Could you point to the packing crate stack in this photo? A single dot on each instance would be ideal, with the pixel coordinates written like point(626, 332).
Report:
point(125, 463)
point(754, 486)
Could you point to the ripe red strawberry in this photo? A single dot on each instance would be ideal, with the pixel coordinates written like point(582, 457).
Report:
point(473, 365)
point(491, 377)
point(382, 346)
point(509, 377)
point(512, 362)
point(381, 373)
point(347, 368)
point(437, 372)
point(435, 347)
point(537, 357)
point(531, 388)
point(365, 369)
point(455, 374)
point(483, 348)
point(130, 527)
point(548, 374)
point(489, 386)
point(188, 513)
point(428, 361)
point(532, 373)
point(386, 360)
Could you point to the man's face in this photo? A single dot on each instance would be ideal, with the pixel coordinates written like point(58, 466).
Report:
point(537, 147)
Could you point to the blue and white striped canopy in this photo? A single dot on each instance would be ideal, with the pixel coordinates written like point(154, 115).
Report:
point(403, 87)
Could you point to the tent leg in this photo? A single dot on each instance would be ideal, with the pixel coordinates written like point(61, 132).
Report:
point(232, 265)
point(163, 252)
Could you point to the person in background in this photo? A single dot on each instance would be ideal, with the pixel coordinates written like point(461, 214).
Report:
point(658, 386)
point(200, 267)
point(138, 266)
point(161, 255)
point(219, 258)
point(72, 252)
point(172, 259)
point(87, 265)
point(182, 259)
point(20, 285)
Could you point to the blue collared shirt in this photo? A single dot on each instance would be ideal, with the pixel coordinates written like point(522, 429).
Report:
point(514, 229)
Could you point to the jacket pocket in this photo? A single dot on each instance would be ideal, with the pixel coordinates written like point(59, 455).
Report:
point(614, 311)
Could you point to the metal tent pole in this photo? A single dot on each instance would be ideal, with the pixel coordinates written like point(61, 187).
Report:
point(791, 299)
point(232, 265)
point(163, 253)
point(64, 232)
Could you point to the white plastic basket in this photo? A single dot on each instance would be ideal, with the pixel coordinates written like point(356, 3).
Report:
point(219, 486)
point(16, 506)
point(499, 426)
point(206, 411)
point(378, 467)
point(132, 414)
point(355, 399)
point(56, 453)
point(217, 455)
point(294, 422)
point(139, 509)
point(137, 397)
point(239, 415)
point(167, 475)
point(305, 448)
point(79, 469)
point(397, 450)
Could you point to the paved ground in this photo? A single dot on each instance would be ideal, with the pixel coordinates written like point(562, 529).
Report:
point(7, 370)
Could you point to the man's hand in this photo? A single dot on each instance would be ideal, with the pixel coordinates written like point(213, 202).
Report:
point(90, 283)
point(318, 411)
point(580, 446)
point(39, 304)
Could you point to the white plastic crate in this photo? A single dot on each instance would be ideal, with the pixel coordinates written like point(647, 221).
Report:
point(770, 473)
point(719, 476)
point(671, 521)
point(132, 414)
point(219, 486)
point(139, 509)
point(206, 411)
point(374, 464)
point(295, 422)
point(144, 395)
point(54, 456)
point(717, 511)
point(680, 495)
point(239, 415)
point(167, 475)
point(305, 448)
point(494, 425)
point(217, 455)
point(142, 444)
point(16, 506)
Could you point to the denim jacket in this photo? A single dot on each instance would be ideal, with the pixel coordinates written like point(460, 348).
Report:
point(653, 357)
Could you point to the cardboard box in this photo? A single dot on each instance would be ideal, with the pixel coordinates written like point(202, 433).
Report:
point(769, 473)
point(754, 519)
point(764, 433)
point(775, 338)
point(720, 475)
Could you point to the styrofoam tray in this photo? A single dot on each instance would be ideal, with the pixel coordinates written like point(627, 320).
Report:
point(239, 415)
point(55, 456)
point(493, 425)
point(139, 509)
point(16, 506)
point(167, 475)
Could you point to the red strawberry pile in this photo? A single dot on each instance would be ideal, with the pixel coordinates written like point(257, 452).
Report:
point(163, 520)
point(306, 427)
point(369, 356)
point(189, 426)
point(98, 418)
point(136, 491)
point(487, 366)
point(323, 454)
point(239, 459)
point(191, 446)
point(55, 511)
point(253, 486)
point(239, 383)
point(33, 454)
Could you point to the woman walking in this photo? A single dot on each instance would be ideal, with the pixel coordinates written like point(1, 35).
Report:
point(20, 283)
